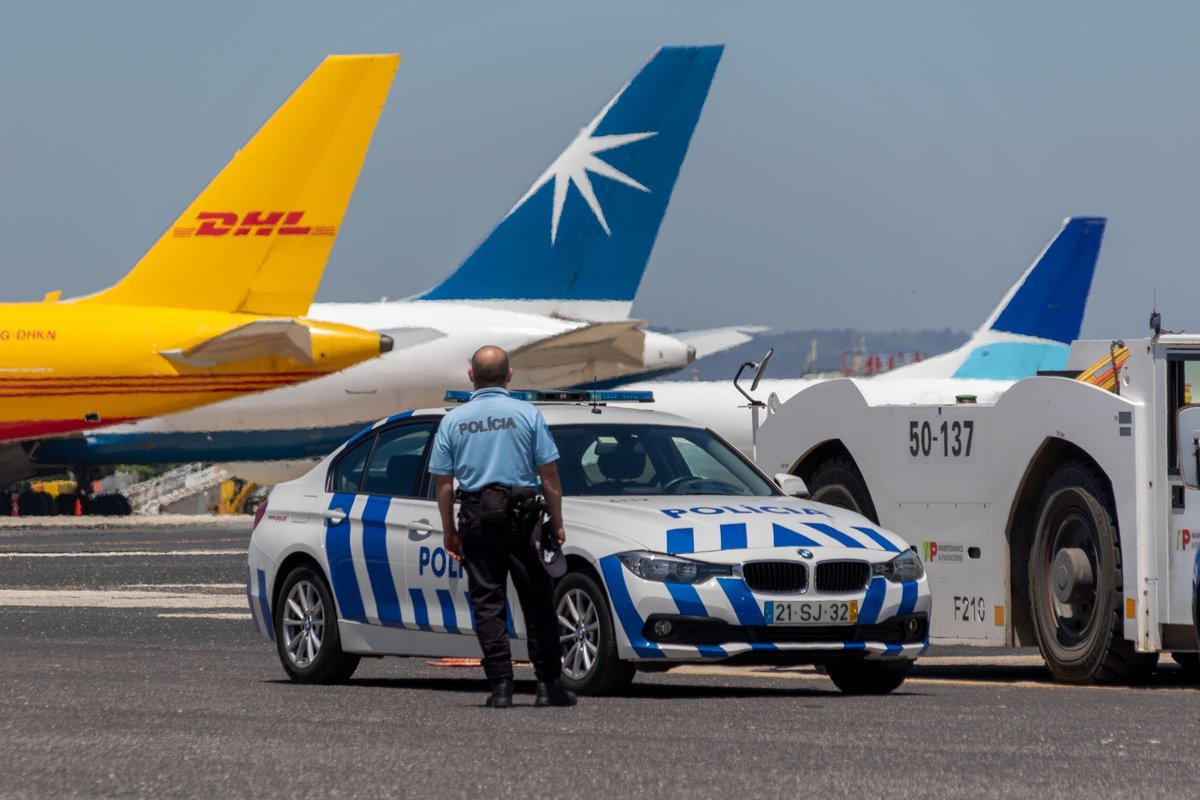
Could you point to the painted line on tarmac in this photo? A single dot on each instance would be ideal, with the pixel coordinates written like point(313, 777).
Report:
point(128, 554)
point(201, 615)
point(86, 598)
point(239, 586)
point(810, 674)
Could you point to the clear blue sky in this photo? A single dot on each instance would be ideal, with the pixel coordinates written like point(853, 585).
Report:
point(870, 164)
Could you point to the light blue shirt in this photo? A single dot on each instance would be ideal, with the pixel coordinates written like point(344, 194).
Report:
point(492, 438)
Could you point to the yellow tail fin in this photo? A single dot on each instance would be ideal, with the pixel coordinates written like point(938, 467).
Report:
point(257, 239)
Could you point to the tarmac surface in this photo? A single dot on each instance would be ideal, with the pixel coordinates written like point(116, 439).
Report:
point(130, 668)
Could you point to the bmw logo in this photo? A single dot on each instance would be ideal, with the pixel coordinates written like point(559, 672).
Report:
point(804, 553)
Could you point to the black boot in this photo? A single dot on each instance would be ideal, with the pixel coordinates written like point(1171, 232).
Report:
point(501, 695)
point(554, 694)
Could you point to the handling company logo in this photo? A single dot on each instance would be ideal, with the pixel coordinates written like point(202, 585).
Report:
point(260, 223)
point(1185, 539)
point(944, 552)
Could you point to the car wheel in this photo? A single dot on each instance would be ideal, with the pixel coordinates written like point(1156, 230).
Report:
point(589, 646)
point(869, 677)
point(306, 631)
point(838, 482)
point(1075, 582)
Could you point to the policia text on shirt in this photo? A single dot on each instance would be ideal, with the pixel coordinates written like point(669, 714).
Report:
point(498, 447)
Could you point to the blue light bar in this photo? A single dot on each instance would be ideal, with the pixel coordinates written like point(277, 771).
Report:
point(561, 396)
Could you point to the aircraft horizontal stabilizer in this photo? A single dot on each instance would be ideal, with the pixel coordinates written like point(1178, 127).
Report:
point(718, 340)
point(266, 338)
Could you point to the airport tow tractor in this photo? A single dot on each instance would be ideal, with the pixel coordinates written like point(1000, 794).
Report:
point(1065, 514)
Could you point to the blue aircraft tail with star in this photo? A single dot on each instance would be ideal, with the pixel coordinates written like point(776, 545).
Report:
point(576, 244)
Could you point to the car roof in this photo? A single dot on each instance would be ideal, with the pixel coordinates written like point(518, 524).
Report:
point(568, 413)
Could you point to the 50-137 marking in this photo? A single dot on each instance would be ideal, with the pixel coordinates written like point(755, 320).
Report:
point(955, 436)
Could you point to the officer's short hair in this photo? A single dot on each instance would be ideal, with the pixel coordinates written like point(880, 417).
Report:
point(490, 366)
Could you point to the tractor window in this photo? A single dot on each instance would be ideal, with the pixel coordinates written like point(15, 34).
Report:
point(1183, 389)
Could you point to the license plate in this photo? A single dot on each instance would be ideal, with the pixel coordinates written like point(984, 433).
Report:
point(824, 612)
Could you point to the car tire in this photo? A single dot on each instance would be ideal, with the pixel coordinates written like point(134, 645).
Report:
point(319, 658)
point(869, 677)
point(1078, 610)
point(578, 598)
point(838, 482)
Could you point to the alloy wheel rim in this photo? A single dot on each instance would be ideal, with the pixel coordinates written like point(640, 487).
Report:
point(303, 624)
point(579, 633)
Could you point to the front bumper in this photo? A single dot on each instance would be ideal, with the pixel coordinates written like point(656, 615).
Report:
point(723, 618)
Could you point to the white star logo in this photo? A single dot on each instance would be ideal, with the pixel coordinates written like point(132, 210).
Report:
point(574, 164)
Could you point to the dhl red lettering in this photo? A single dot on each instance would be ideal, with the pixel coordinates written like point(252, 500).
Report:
point(260, 223)
point(256, 219)
point(290, 228)
point(209, 220)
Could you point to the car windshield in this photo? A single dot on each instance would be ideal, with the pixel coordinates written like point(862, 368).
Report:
point(599, 459)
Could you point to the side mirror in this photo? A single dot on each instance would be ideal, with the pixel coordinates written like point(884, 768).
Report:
point(792, 485)
point(1187, 429)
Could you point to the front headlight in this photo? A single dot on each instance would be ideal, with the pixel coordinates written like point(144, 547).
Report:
point(668, 569)
point(904, 567)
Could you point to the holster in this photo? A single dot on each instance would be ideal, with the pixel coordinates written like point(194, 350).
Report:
point(504, 506)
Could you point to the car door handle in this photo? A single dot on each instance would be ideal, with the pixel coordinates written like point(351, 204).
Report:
point(334, 516)
point(421, 526)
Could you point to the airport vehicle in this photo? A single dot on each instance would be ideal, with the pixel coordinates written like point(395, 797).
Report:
point(1062, 513)
point(678, 549)
point(214, 309)
point(553, 284)
point(1030, 330)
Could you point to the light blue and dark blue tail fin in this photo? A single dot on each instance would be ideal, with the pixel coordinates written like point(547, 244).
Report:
point(1033, 326)
point(1049, 300)
point(577, 243)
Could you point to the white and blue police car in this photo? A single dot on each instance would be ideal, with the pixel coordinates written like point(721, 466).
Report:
point(678, 548)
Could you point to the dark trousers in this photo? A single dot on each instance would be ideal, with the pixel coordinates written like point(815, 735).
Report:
point(492, 554)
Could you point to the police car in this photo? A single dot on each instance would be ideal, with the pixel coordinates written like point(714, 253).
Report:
point(678, 549)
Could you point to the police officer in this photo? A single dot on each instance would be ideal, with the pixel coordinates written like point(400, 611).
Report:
point(497, 447)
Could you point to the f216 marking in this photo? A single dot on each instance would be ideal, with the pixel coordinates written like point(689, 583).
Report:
point(949, 438)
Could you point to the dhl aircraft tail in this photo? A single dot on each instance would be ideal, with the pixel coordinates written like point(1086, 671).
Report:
point(257, 239)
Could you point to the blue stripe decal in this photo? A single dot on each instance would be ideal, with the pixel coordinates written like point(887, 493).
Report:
point(268, 622)
point(879, 539)
point(687, 599)
point(252, 600)
point(471, 608)
point(892, 649)
point(681, 540)
point(266, 607)
point(341, 564)
point(689, 603)
point(836, 535)
point(873, 602)
point(908, 599)
point(789, 538)
point(733, 536)
point(449, 617)
point(631, 621)
point(420, 610)
point(508, 620)
point(854, 646)
point(387, 602)
point(743, 602)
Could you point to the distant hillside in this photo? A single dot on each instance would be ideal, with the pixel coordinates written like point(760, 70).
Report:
point(792, 351)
